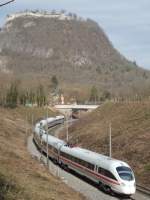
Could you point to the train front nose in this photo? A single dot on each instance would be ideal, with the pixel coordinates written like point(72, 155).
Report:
point(128, 188)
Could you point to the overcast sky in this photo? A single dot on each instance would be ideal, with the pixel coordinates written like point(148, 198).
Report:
point(126, 23)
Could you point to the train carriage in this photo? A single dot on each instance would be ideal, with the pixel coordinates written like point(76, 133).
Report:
point(54, 144)
point(111, 174)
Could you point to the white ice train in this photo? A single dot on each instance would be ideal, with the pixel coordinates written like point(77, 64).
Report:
point(111, 174)
point(52, 121)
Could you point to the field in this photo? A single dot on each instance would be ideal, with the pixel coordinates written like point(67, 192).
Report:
point(130, 134)
point(21, 176)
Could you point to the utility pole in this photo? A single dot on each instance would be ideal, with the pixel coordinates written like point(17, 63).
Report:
point(110, 142)
point(26, 136)
point(41, 134)
point(32, 120)
point(47, 135)
point(67, 136)
point(71, 118)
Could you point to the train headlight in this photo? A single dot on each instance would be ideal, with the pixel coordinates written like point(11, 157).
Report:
point(123, 184)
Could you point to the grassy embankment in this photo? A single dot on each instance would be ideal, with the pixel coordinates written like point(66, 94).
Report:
point(22, 177)
point(130, 134)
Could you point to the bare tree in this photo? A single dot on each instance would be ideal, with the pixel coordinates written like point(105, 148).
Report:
point(3, 4)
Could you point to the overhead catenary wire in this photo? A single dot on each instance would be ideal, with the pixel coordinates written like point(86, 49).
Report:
point(3, 4)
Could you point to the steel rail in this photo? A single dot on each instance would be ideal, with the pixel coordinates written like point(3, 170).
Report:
point(143, 189)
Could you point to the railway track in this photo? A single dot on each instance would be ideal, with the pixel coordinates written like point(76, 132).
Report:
point(143, 189)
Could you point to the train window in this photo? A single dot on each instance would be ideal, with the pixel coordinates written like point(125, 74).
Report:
point(110, 175)
point(82, 162)
point(49, 146)
point(91, 166)
point(126, 176)
point(101, 171)
point(123, 168)
point(87, 164)
point(65, 155)
point(62, 154)
point(55, 150)
point(125, 173)
point(78, 160)
point(106, 173)
point(73, 159)
point(44, 143)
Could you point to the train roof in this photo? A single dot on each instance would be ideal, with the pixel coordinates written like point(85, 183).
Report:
point(93, 157)
point(38, 128)
point(87, 155)
point(53, 141)
point(47, 120)
point(43, 122)
point(59, 117)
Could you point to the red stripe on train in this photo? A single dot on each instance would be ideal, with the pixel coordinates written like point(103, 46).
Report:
point(95, 174)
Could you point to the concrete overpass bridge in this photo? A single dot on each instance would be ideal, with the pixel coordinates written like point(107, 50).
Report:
point(74, 108)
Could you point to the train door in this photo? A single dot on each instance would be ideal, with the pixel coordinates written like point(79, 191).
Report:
point(96, 168)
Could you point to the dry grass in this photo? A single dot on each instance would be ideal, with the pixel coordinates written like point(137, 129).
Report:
point(21, 177)
point(130, 134)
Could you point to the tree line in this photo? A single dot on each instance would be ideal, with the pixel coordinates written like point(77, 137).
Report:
point(96, 96)
point(14, 96)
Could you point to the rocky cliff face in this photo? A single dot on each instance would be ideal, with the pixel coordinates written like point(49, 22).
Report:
point(74, 49)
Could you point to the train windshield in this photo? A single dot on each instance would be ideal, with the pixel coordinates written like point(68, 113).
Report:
point(125, 173)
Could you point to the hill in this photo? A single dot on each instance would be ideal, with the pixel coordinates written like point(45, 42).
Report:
point(22, 177)
point(76, 50)
point(130, 135)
